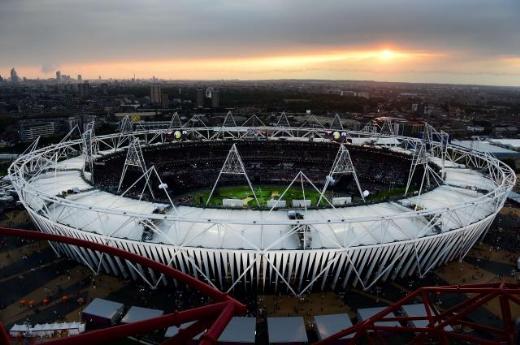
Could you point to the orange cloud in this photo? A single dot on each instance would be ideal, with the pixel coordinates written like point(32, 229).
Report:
point(277, 66)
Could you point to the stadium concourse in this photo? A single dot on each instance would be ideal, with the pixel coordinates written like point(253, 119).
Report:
point(122, 189)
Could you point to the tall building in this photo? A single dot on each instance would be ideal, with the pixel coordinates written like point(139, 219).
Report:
point(84, 89)
point(200, 98)
point(215, 98)
point(165, 100)
point(79, 77)
point(155, 94)
point(14, 76)
point(58, 76)
point(30, 130)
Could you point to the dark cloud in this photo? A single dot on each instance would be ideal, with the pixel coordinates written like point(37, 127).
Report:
point(69, 31)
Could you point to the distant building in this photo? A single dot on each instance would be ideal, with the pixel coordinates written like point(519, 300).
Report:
point(363, 94)
point(165, 100)
point(215, 99)
point(84, 89)
point(58, 76)
point(31, 132)
point(14, 76)
point(209, 92)
point(79, 77)
point(155, 94)
point(199, 102)
point(71, 122)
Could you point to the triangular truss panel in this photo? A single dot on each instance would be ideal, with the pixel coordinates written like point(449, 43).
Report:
point(342, 165)
point(229, 120)
point(134, 158)
point(437, 143)
point(429, 177)
point(126, 125)
point(283, 121)
point(175, 121)
point(336, 123)
point(147, 176)
point(312, 122)
point(233, 165)
point(371, 127)
point(68, 150)
point(302, 179)
point(32, 147)
point(389, 127)
point(253, 121)
point(196, 121)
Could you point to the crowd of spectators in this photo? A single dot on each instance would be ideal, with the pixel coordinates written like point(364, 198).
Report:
point(189, 166)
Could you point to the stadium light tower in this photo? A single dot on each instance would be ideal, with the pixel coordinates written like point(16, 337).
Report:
point(253, 121)
point(420, 158)
point(342, 166)
point(283, 121)
point(134, 158)
point(229, 120)
point(233, 165)
point(89, 150)
point(336, 123)
point(175, 121)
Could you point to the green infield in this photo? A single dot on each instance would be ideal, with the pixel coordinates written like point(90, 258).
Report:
point(263, 194)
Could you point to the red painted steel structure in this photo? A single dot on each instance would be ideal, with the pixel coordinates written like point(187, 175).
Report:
point(437, 321)
point(213, 317)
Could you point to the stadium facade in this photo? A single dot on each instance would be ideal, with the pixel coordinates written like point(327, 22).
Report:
point(262, 247)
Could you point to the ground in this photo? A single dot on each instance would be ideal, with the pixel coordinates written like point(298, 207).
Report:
point(30, 273)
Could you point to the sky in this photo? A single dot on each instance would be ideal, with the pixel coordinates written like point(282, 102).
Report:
point(444, 41)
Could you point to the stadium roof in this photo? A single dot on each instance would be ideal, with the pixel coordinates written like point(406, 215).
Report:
point(460, 185)
point(513, 144)
point(487, 147)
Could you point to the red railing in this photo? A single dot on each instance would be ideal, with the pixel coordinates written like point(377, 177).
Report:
point(446, 326)
point(212, 317)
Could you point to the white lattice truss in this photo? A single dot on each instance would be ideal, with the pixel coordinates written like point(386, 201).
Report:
point(89, 150)
point(233, 165)
point(336, 123)
point(342, 166)
point(429, 176)
point(135, 159)
point(337, 247)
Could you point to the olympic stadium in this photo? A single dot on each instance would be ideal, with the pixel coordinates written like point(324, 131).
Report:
point(276, 208)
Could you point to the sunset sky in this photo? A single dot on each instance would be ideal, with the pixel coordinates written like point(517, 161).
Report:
point(452, 41)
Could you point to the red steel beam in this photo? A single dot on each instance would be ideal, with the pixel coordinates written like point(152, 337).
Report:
point(218, 311)
point(437, 321)
point(204, 288)
point(211, 336)
point(106, 335)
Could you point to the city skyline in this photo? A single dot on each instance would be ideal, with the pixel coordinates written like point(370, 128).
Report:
point(467, 42)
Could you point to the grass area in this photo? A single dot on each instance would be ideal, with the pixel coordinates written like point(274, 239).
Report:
point(263, 194)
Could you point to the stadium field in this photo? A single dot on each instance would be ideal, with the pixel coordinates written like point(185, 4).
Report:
point(264, 193)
